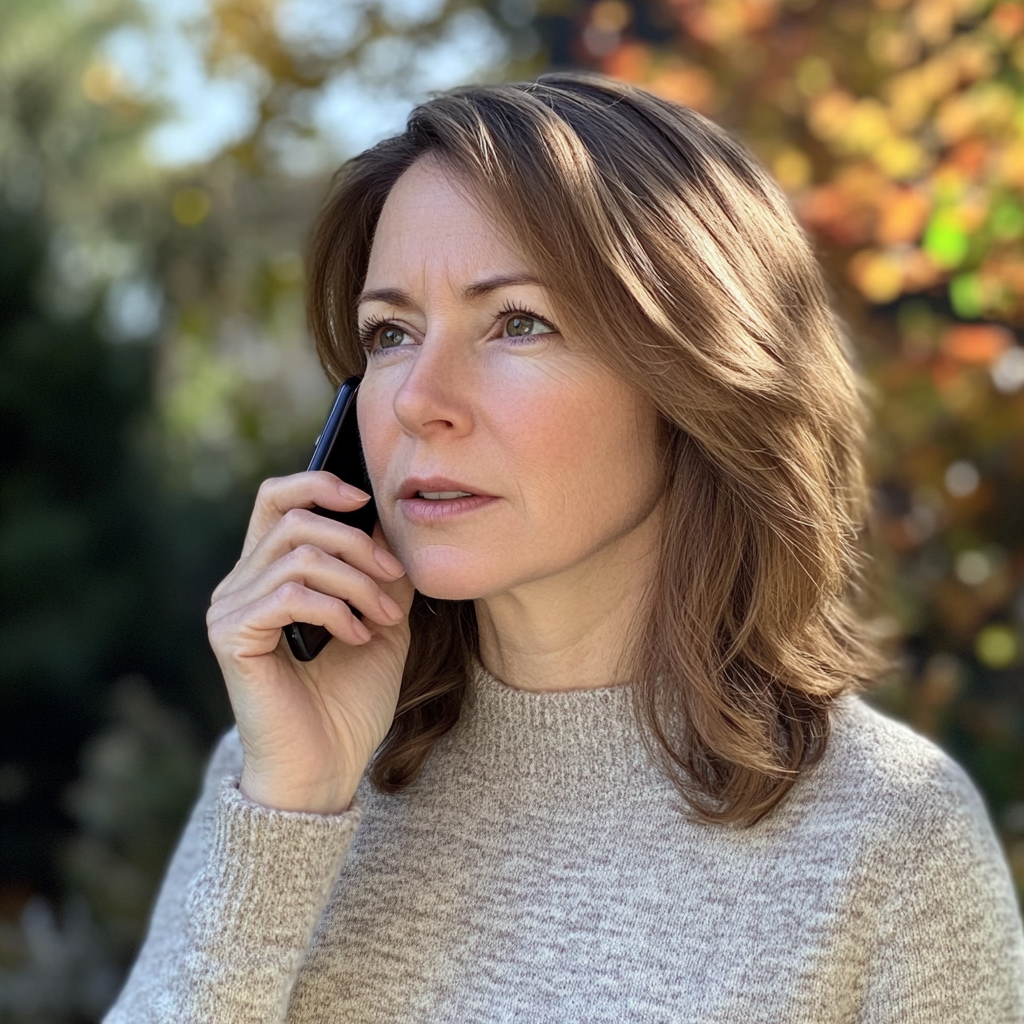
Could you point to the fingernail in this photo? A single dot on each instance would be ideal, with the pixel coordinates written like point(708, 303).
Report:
point(388, 562)
point(354, 492)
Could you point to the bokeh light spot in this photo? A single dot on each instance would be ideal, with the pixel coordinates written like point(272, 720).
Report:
point(945, 240)
point(813, 76)
point(101, 83)
point(190, 206)
point(996, 646)
point(966, 295)
point(792, 169)
point(973, 567)
point(1007, 220)
point(878, 275)
point(1008, 371)
point(962, 478)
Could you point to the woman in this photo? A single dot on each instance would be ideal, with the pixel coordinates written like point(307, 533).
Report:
point(594, 753)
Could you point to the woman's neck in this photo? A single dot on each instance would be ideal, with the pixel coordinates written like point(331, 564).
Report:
point(569, 631)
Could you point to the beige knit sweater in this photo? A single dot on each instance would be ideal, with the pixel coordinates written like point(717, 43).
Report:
point(541, 870)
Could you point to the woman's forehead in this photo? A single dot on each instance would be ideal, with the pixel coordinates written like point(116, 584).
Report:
point(431, 229)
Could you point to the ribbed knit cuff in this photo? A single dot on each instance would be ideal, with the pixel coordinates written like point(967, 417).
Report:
point(254, 906)
point(268, 866)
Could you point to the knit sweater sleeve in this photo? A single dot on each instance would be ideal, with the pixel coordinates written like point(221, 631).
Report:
point(953, 948)
point(237, 911)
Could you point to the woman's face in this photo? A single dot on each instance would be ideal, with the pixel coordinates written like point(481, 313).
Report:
point(472, 380)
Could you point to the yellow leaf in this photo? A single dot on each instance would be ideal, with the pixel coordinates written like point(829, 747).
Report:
point(792, 169)
point(901, 158)
point(1011, 165)
point(867, 125)
point(956, 118)
point(877, 275)
point(828, 114)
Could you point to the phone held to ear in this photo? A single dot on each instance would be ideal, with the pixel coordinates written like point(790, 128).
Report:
point(338, 450)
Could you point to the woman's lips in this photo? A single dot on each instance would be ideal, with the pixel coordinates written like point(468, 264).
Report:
point(426, 510)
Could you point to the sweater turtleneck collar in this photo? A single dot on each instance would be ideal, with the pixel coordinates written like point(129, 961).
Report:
point(566, 737)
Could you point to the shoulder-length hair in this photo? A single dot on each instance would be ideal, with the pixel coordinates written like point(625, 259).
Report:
point(665, 244)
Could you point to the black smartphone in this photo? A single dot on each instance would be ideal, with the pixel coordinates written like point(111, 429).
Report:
point(339, 450)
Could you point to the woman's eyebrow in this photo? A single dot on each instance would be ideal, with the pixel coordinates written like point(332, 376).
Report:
point(396, 297)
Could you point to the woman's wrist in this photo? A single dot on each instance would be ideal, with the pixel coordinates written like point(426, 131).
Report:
point(322, 799)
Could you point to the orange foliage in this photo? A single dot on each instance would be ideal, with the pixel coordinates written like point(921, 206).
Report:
point(977, 343)
point(895, 124)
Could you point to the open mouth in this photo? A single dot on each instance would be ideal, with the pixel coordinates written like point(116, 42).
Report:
point(441, 506)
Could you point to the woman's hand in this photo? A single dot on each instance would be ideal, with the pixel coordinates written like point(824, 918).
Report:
point(309, 729)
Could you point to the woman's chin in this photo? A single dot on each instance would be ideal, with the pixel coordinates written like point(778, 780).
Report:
point(447, 583)
point(447, 573)
point(447, 590)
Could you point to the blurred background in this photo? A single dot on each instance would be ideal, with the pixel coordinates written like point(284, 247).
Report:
point(160, 164)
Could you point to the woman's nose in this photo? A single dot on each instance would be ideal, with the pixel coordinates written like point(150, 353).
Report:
point(437, 390)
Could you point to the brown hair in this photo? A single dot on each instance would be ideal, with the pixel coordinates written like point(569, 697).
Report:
point(661, 239)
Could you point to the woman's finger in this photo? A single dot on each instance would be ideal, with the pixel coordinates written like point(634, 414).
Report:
point(254, 629)
point(278, 495)
point(298, 527)
point(308, 565)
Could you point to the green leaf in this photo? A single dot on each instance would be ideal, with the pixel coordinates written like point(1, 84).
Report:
point(945, 240)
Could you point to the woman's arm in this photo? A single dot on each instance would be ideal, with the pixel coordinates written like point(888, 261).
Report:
point(238, 906)
point(266, 840)
point(953, 950)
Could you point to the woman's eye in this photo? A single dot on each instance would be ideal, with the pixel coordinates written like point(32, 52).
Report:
point(375, 337)
point(519, 326)
point(391, 337)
